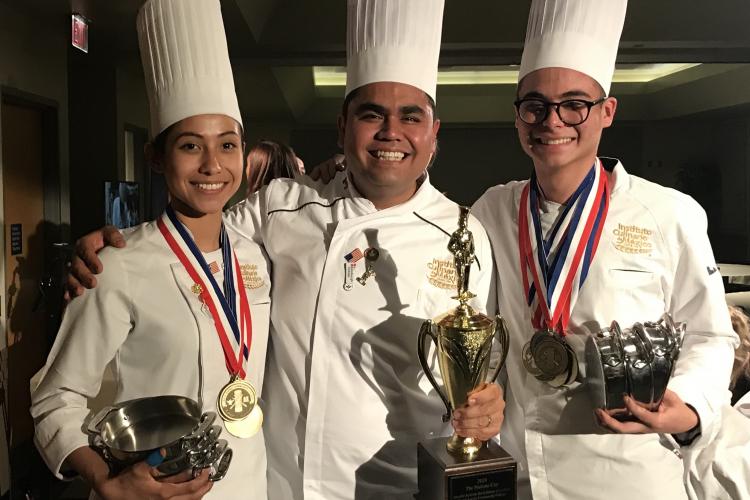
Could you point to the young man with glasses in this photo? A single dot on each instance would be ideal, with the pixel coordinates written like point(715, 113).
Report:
point(583, 243)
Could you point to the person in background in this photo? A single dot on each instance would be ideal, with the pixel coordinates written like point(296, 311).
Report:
point(269, 160)
point(184, 308)
point(740, 378)
point(717, 466)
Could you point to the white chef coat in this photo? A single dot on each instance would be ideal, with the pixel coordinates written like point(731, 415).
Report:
point(653, 256)
point(347, 399)
point(717, 466)
point(144, 317)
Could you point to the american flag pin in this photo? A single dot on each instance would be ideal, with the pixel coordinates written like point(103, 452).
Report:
point(213, 267)
point(353, 256)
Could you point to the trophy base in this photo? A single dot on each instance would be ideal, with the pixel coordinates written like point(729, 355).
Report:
point(490, 473)
point(466, 446)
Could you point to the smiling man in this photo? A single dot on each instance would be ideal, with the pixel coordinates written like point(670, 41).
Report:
point(357, 265)
point(642, 250)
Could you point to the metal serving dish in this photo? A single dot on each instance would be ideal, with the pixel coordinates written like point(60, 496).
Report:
point(638, 362)
point(131, 431)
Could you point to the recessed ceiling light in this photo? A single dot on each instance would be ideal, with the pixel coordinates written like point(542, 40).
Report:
point(327, 76)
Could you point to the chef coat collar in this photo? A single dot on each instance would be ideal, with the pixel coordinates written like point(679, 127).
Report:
point(618, 177)
point(416, 202)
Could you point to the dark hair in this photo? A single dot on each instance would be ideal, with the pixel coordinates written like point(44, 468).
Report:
point(269, 160)
point(348, 99)
point(160, 141)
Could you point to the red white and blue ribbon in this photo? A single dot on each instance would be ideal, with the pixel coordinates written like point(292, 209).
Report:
point(554, 269)
point(229, 307)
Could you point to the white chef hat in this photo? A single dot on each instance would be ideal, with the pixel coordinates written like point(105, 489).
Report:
point(577, 34)
point(393, 41)
point(186, 61)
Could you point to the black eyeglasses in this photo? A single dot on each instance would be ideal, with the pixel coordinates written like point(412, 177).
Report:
point(534, 111)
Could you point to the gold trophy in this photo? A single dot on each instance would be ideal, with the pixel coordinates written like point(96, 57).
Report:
point(458, 466)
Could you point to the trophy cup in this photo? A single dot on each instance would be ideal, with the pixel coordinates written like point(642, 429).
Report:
point(462, 467)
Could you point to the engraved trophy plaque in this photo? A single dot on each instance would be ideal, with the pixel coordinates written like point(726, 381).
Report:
point(460, 467)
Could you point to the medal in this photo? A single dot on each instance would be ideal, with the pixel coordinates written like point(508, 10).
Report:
point(229, 309)
point(550, 359)
point(247, 427)
point(554, 269)
point(236, 400)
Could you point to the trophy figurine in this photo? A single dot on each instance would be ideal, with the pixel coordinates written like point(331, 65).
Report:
point(463, 339)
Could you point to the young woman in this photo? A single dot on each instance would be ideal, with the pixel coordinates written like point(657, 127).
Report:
point(183, 309)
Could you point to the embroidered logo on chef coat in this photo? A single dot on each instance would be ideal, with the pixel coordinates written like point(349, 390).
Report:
point(442, 273)
point(250, 277)
point(633, 239)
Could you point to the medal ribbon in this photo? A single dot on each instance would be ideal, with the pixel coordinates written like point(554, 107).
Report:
point(222, 304)
point(553, 270)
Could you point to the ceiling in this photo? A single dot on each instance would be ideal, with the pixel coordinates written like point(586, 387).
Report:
point(275, 43)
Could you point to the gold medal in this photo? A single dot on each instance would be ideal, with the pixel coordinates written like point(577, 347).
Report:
point(236, 400)
point(247, 427)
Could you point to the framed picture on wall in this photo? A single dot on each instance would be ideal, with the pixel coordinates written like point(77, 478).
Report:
point(121, 202)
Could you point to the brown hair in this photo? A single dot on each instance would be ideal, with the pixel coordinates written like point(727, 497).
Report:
point(269, 160)
point(741, 325)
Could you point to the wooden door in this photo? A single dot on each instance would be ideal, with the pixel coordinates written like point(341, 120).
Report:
point(23, 209)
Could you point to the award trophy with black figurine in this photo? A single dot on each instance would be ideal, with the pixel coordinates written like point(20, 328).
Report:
point(460, 467)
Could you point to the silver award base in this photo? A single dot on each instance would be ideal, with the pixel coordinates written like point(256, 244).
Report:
point(490, 474)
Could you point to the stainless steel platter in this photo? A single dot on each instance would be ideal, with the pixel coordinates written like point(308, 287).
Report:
point(637, 361)
point(174, 426)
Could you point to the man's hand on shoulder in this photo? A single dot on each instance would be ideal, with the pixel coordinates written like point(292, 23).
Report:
point(85, 263)
point(327, 170)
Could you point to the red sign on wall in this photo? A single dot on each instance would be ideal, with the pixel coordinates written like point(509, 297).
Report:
point(79, 31)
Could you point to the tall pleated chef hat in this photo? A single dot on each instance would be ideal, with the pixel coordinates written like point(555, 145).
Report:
point(393, 41)
point(185, 61)
point(576, 34)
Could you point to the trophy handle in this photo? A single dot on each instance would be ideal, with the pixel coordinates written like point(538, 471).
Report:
point(424, 331)
point(501, 332)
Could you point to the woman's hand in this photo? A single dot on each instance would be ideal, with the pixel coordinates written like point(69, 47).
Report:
point(138, 482)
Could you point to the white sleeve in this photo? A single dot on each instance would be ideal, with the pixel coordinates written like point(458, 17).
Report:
point(248, 217)
point(701, 376)
point(482, 271)
point(93, 329)
point(482, 211)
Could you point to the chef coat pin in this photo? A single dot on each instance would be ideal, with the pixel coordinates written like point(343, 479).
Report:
point(198, 290)
point(350, 263)
point(371, 255)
